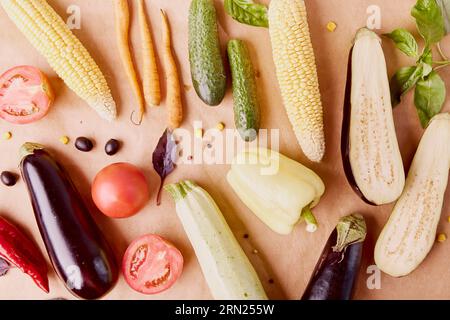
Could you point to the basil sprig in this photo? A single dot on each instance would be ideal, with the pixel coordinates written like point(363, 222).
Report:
point(433, 23)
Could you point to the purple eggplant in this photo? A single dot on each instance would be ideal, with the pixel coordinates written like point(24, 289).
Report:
point(79, 253)
point(337, 269)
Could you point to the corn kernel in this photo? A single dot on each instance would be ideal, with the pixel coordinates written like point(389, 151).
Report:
point(199, 132)
point(64, 139)
point(448, 219)
point(7, 135)
point(331, 26)
point(220, 126)
point(441, 237)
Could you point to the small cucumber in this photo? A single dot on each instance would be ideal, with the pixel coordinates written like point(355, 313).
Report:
point(207, 68)
point(245, 95)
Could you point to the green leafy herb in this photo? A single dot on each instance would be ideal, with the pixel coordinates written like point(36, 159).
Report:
point(432, 20)
point(429, 97)
point(427, 56)
point(405, 42)
point(248, 12)
point(403, 80)
point(429, 20)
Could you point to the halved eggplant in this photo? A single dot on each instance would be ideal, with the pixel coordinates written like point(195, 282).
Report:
point(410, 232)
point(370, 151)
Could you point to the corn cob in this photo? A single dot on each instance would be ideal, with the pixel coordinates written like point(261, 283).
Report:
point(48, 33)
point(297, 74)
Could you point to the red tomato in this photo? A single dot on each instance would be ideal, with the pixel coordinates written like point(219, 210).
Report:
point(25, 95)
point(120, 190)
point(151, 264)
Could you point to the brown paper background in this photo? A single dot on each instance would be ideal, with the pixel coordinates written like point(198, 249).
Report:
point(289, 260)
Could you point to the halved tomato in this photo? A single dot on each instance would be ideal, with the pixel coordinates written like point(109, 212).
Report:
point(25, 95)
point(151, 264)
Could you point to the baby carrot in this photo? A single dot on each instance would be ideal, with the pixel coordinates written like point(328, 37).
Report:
point(150, 78)
point(122, 17)
point(174, 103)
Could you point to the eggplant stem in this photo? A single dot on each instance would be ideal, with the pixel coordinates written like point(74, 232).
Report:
point(351, 229)
point(28, 148)
point(310, 219)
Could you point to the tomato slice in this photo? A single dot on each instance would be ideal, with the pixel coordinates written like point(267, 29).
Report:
point(25, 95)
point(151, 264)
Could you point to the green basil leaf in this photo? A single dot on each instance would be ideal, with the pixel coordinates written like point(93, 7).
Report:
point(429, 20)
point(427, 56)
point(445, 9)
point(405, 42)
point(429, 97)
point(247, 12)
point(402, 81)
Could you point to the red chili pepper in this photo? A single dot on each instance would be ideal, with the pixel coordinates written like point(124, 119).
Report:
point(20, 251)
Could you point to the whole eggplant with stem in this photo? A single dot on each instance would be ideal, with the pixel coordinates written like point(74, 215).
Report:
point(370, 151)
point(337, 269)
point(78, 251)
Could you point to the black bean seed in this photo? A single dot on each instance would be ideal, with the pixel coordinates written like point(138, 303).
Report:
point(8, 178)
point(112, 147)
point(84, 144)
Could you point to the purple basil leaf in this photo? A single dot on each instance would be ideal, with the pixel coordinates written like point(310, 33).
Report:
point(4, 267)
point(164, 158)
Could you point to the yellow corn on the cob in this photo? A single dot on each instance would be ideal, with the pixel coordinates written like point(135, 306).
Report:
point(48, 33)
point(297, 74)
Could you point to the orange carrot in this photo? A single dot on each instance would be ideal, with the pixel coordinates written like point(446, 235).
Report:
point(174, 103)
point(122, 17)
point(152, 88)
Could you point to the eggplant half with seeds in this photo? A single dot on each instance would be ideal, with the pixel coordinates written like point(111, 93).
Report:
point(370, 151)
point(337, 269)
point(410, 233)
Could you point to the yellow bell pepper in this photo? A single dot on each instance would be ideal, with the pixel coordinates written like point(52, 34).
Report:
point(279, 190)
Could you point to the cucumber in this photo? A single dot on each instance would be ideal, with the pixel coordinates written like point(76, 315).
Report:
point(207, 69)
point(245, 95)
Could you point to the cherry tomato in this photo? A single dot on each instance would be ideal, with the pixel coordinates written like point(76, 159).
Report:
point(120, 190)
point(151, 264)
point(25, 95)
